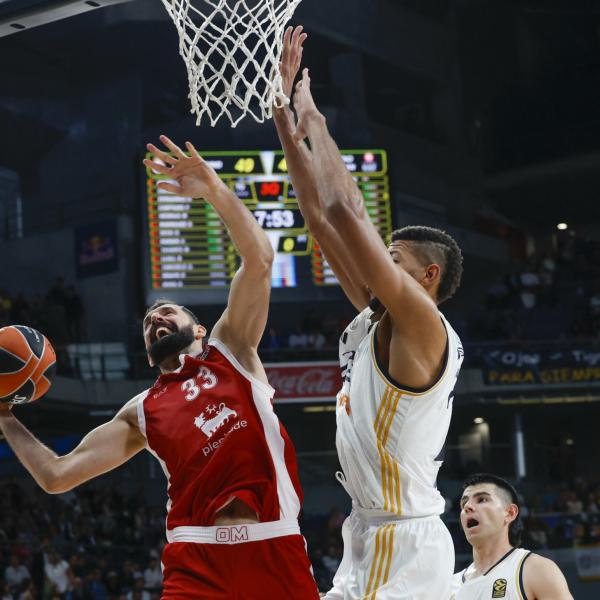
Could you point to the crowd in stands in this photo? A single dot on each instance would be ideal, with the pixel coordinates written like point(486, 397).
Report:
point(58, 313)
point(312, 333)
point(92, 544)
point(555, 295)
point(96, 543)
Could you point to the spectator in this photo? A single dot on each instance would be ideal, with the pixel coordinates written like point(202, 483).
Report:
point(594, 300)
point(96, 587)
point(138, 592)
point(130, 573)
point(591, 507)
point(113, 585)
point(20, 312)
point(16, 573)
point(298, 339)
point(272, 339)
point(74, 314)
point(30, 592)
point(528, 298)
point(153, 575)
point(315, 339)
point(5, 307)
point(6, 593)
point(497, 296)
point(573, 504)
point(58, 573)
point(335, 521)
point(332, 558)
point(77, 592)
point(56, 294)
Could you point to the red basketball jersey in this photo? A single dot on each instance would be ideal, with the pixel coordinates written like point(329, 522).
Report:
point(212, 427)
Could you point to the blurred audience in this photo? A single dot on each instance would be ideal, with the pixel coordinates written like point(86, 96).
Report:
point(554, 295)
point(99, 544)
point(58, 313)
point(87, 544)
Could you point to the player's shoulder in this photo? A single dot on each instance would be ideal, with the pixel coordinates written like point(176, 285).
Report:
point(542, 576)
point(129, 411)
point(537, 564)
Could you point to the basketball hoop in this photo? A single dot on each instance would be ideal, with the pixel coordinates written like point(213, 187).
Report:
point(232, 50)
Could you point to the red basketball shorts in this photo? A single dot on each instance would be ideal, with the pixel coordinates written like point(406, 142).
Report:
point(262, 561)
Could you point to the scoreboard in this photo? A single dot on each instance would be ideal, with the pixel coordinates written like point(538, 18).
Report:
point(191, 257)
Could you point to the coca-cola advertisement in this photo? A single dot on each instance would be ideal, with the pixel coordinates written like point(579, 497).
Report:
point(294, 382)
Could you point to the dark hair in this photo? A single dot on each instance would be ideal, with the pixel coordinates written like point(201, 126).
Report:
point(435, 246)
point(516, 527)
point(163, 301)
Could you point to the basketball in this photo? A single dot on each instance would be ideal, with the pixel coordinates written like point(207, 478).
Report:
point(27, 364)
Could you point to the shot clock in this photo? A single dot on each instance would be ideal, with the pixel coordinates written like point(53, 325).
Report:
point(190, 249)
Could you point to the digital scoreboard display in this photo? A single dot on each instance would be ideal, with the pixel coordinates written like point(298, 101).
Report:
point(190, 250)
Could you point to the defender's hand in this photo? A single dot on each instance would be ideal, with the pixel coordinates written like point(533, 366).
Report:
point(291, 57)
point(304, 105)
point(194, 177)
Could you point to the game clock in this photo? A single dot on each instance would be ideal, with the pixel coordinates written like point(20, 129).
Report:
point(286, 219)
point(190, 250)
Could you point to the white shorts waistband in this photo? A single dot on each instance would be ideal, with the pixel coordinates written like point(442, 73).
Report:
point(380, 517)
point(234, 534)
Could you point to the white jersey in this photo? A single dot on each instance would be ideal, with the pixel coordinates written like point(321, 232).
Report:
point(390, 438)
point(503, 580)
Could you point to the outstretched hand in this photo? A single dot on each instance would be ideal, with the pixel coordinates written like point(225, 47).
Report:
point(304, 106)
point(291, 57)
point(193, 176)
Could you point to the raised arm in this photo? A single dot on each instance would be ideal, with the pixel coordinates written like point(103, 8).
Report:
point(299, 163)
point(242, 324)
point(100, 451)
point(411, 309)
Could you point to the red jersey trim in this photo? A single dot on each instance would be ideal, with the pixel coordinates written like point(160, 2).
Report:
point(139, 407)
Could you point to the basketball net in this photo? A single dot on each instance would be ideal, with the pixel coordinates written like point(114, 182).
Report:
point(232, 50)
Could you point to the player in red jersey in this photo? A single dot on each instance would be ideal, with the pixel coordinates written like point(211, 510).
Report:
point(234, 495)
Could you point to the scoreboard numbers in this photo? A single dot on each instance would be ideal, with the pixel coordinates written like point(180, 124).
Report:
point(190, 248)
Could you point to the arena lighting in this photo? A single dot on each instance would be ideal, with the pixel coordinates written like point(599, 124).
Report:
point(478, 420)
point(562, 226)
point(319, 408)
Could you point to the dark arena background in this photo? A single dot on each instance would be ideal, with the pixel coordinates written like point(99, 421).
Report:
point(480, 117)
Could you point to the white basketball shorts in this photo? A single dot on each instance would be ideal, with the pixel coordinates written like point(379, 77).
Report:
point(404, 559)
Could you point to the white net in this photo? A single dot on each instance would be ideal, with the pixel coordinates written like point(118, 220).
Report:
point(232, 49)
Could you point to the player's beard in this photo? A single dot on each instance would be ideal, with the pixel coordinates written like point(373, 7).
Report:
point(171, 345)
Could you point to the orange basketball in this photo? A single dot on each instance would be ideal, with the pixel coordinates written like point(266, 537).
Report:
point(27, 364)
